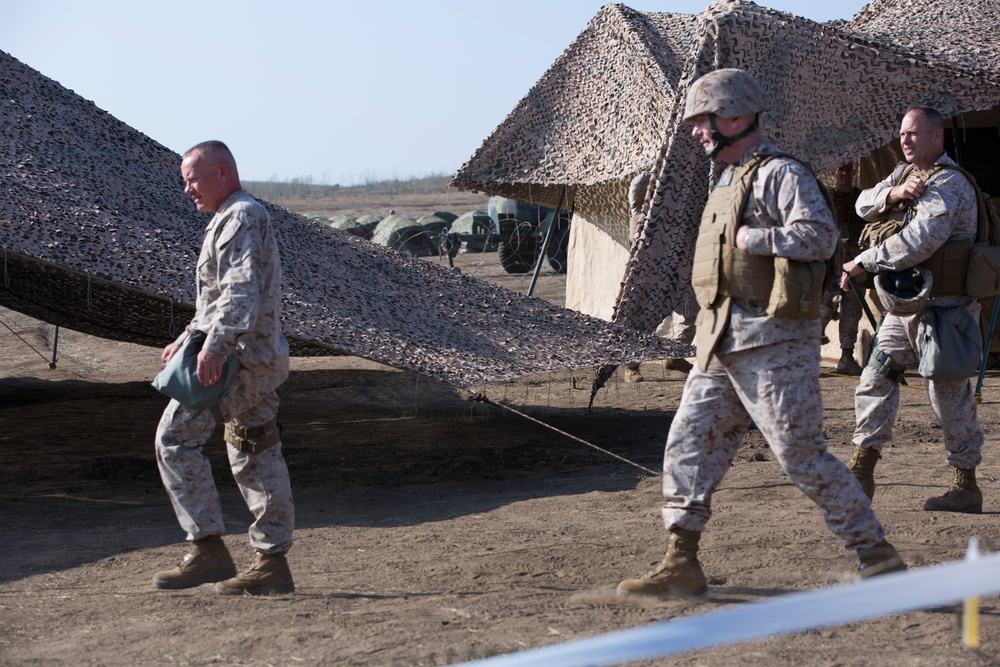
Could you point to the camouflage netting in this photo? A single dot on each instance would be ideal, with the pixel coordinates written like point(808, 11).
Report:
point(599, 110)
point(472, 222)
point(98, 236)
point(617, 94)
point(393, 230)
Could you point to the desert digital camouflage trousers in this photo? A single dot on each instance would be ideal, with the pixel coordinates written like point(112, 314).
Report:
point(262, 478)
point(876, 400)
point(850, 317)
point(777, 387)
point(849, 311)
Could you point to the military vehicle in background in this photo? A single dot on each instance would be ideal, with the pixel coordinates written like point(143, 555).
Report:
point(476, 231)
point(522, 228)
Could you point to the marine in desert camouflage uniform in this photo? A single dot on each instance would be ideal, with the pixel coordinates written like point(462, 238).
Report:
point(751, 365)
point(239, 308)
point(846, 306)
point(943, 210)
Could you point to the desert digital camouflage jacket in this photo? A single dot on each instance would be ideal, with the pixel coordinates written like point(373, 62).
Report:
point(946, 212)
point(788, 217)
point(239, 285)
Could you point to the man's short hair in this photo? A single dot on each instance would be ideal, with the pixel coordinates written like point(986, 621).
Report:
point(214, 148)
point(932, 115)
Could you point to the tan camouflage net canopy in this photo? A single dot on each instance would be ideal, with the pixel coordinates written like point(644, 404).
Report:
point(98, 236)
point(616, 95)
point(602, 109)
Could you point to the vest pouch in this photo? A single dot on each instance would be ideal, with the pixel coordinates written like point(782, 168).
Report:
point(797, 290)
point(745, 276)
point(706, 266)
point(949, 266)
point(875, 233)
point(983, 277)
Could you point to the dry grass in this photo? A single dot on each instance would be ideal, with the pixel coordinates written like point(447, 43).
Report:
point(415, 197)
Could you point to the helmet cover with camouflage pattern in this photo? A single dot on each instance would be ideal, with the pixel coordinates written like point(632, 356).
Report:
point(727, 93)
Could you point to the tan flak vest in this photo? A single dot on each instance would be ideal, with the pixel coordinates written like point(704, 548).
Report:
point(721, 271)
point(950, 263)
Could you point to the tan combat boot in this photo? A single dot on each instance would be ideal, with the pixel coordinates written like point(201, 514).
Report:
point(862, 464)
point(963, 496)
point(268, 576)
point(847, 365)
point(679, 575)
point(633, 374)
point(879, 559)
point(209, 561)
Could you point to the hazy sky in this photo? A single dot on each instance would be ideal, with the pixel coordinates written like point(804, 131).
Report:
point(340, 92)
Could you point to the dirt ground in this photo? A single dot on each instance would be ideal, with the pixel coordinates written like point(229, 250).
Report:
point(431, 530)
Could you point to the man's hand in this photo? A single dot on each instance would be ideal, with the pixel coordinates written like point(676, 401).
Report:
point(909, 190)
point(168, 352)
point(741, 237)
point(851, 269)
point(209, 367)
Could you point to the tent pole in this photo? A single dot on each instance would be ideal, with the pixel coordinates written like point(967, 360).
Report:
point(55, 349)
point(545, 243)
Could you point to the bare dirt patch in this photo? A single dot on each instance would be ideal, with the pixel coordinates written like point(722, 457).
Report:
point(430, 530)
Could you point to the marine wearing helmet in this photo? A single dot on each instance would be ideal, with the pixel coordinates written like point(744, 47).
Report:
point(725, 93)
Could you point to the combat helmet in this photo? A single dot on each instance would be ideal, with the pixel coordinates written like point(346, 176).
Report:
point(728, 93)
point(904, 292)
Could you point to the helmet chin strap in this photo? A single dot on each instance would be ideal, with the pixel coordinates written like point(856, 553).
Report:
point(721, 140)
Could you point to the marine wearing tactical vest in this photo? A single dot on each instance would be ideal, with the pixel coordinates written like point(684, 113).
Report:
point(925, 236)
point(949, 264)
point(760, 261)
point(776, 286)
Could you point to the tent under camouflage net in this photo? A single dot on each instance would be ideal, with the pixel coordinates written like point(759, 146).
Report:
point(447, 216)
point(348, 223)
point(403, 234)
point(369, 222)
point(478, 226)
point(98, 236)
point(611, 107)
point(433, 225)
